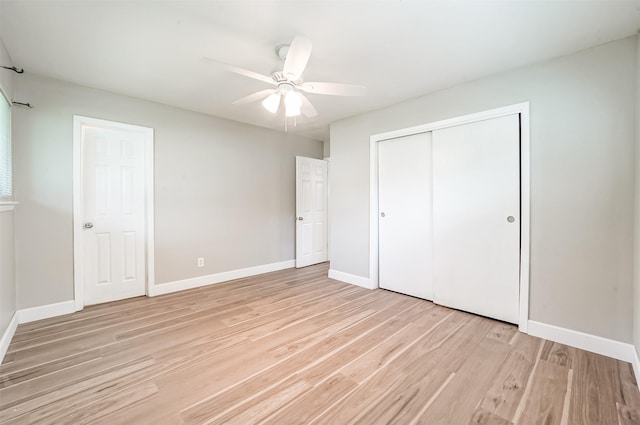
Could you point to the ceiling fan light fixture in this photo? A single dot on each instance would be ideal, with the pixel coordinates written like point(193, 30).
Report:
point(289, 84)
point(292, 103)
point(272, 102)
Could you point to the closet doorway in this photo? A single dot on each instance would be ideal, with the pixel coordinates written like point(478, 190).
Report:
point(451, 205)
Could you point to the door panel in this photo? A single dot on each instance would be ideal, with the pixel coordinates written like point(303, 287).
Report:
point(311, 211)
point(103, 242)
point(476, 187)
point(114, 203)
point(405, 232)
point(129, 255)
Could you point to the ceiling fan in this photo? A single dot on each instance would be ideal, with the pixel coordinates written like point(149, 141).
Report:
point(289, 84)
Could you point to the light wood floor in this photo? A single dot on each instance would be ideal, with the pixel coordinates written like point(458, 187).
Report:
point(294, 347)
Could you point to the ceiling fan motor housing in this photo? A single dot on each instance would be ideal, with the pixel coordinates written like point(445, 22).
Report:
point(278, 76)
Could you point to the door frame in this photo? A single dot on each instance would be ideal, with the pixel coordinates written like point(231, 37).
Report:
point(78, 201)
point(525, 192)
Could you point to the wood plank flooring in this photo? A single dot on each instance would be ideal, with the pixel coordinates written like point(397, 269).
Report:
point(294, 347)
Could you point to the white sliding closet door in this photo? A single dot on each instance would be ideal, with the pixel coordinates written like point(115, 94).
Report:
point(476, 217)
point(404, 196)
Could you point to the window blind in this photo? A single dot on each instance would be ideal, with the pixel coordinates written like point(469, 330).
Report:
point(6, 183)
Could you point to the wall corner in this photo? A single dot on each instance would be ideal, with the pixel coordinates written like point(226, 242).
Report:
point(636, 239)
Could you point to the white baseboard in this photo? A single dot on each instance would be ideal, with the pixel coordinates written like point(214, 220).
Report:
point(196, 282)
point(636, 366)
point(351, 278)
point(596, 344)
point(8, 335)
point(32, 314)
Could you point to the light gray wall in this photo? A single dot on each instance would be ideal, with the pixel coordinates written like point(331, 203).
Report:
point(582, 180)
point(6, 76)
point(223, 190)
point(7, 270)
point(7, 257)
point(636, 258)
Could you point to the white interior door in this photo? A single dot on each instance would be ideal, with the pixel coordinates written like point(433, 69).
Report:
point(113, 200)
point(311, 211)
point(476, 217)
point(405, 225)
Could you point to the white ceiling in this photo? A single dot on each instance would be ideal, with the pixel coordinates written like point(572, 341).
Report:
point(398, 49)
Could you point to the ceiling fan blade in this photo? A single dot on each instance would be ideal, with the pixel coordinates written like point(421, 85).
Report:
point(241, 71)
point(334, 89)
point(306, 107)
point(297, 57)
point(254, 97)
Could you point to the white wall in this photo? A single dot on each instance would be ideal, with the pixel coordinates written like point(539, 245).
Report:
point(7, 257)
point(583, 123)
point(223, 190)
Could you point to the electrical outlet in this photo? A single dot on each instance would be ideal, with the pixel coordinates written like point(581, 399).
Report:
point(200, 261)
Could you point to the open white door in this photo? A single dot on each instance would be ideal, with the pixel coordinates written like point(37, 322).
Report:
point(476, 217)
point(111, 214)
point(404, 187)
point(311, 211)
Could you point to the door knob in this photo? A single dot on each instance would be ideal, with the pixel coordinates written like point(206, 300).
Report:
point(300, 218)
point(88, 225)
point(511, 219)
point(382, 214)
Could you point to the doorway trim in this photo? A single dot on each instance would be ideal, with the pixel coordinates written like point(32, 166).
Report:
point(78, 206)
point(525, 192)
